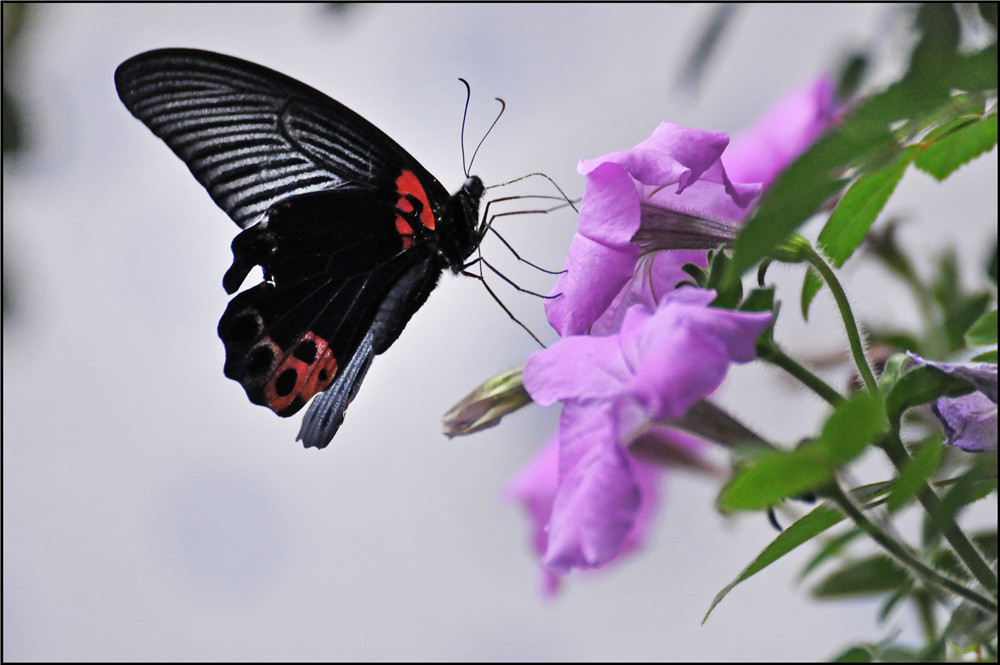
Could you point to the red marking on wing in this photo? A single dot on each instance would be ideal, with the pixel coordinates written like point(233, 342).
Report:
point(408, 183)
point(405, 231)
point(310, 378)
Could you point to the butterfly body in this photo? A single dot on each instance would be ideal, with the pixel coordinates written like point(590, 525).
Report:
point(351, 232)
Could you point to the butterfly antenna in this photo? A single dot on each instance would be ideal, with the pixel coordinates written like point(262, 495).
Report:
point(465, 113)
point(503, 107)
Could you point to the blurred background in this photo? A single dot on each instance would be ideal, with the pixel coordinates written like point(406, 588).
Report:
point(151, 512)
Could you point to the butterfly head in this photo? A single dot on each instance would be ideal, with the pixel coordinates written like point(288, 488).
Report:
point(462, 221)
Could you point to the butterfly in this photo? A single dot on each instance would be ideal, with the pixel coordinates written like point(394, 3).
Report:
point(351, 232)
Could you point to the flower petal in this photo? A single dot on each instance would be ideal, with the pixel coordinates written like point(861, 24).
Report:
point(594, 510)
point(655, 276)
point(601, 256)
point(535, 487)
point(970, 422)
point(787, 129)
point(578, 367)
point(983, 376)
point(672, 154)
point(682, 352)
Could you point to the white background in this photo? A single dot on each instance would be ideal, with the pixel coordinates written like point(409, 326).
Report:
point(151, 512)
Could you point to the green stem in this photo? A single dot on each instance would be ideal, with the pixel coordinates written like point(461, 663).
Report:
point(902, 555)
point(925, 612)
point(966, 551)
point(853, 336)
point(770, 352)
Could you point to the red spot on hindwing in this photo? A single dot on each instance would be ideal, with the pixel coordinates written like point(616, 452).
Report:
point(305, 369)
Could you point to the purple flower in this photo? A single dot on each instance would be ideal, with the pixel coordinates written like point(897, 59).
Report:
point(635, 352)
point(613, 388)
point(671, 192)
point(675, 171)
point(969, 421)
point(536, 484)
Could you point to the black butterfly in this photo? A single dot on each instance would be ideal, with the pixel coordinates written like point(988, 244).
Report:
point(352, 232)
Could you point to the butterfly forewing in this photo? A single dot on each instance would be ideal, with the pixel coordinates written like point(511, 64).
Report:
point(253, 136)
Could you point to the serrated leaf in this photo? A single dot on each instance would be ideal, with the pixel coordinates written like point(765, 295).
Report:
point(861, 205)
point(914, 475)
point(873, 575)
point(944, 156)
point(983, 331)
point(821, 518)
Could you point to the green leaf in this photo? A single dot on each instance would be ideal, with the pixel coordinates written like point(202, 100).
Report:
point(959, 309)
point(801, 189)
point(853, 425)
point(988, 357)
point(863, 139)
point(873, 575)
point(811, 284)
point(831, 549)
point(852, 72)
point(856, 212)
point(892, 372)
point(961, 316)
point(913, 476)
point(759, 300)
point(920, 386)
point(773, 475)
point(727, 294)
point(983, 331)
point(986, 542)
point(893, 601)
point(856, 654)
point(821, 518)
point(967, 488)
point(697, 273)
point(947, 562)
point(944, 156)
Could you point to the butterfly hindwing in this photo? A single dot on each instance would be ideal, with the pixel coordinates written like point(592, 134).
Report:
point(332, 282)
point(326, 413)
